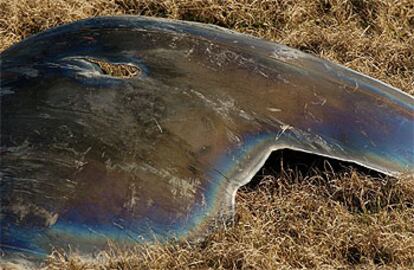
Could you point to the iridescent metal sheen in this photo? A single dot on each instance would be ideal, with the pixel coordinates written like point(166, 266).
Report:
point(88, 158)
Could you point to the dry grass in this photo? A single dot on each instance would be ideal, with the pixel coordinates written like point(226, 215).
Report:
point(322, 220)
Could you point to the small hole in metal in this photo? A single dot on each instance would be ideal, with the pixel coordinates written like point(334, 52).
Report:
point(123, 71)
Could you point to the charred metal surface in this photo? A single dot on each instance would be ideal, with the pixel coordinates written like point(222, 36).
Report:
point(88, 157)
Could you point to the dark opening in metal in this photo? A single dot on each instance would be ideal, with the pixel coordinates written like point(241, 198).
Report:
point(356, 188)
point(304, 165)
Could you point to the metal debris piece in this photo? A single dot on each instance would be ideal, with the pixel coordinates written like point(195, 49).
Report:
point(90, 156)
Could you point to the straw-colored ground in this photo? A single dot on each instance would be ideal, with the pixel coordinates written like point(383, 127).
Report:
point(318, 221)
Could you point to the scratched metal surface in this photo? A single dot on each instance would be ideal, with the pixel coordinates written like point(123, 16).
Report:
point(87, 158)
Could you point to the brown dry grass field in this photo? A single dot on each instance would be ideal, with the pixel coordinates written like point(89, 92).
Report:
point(290, 220)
